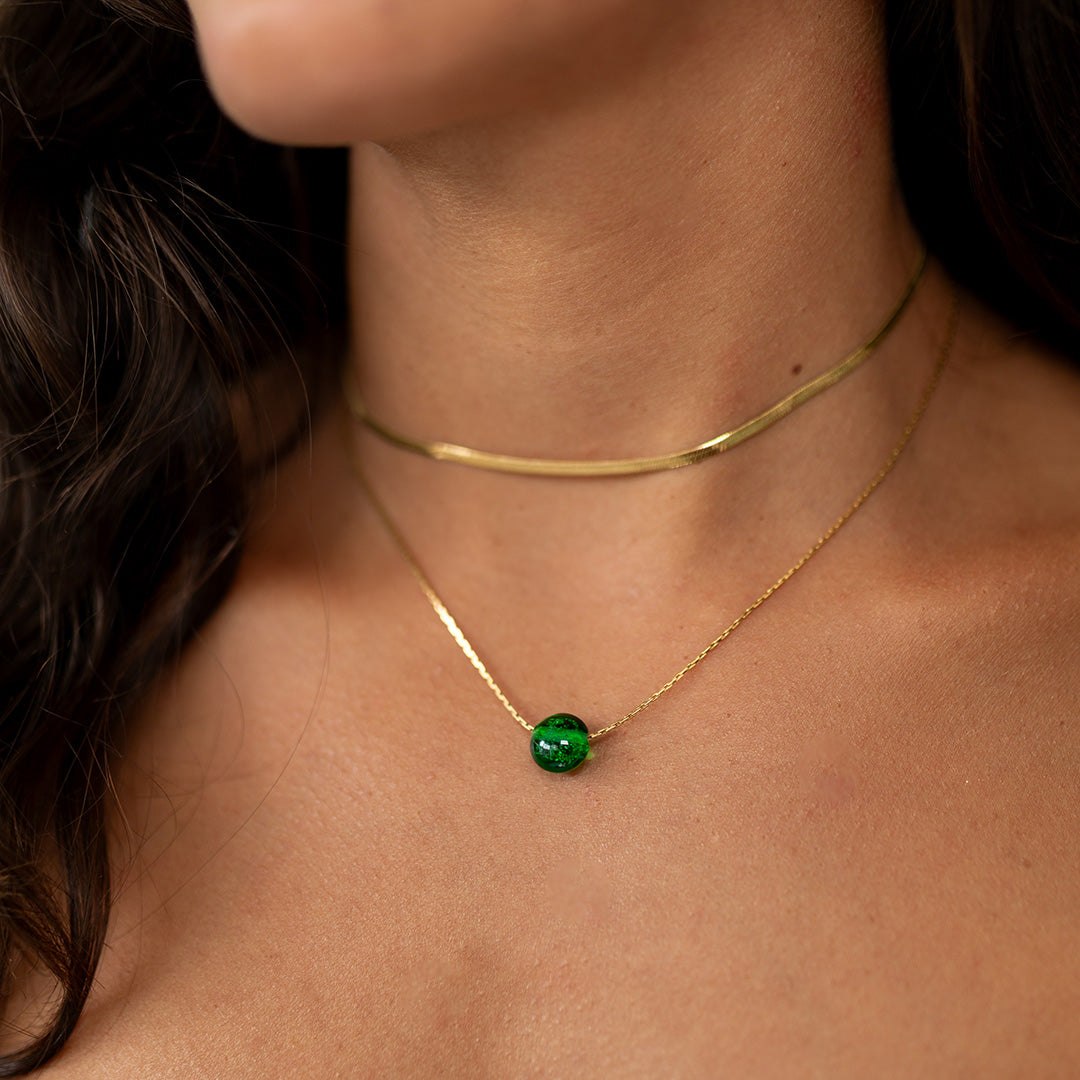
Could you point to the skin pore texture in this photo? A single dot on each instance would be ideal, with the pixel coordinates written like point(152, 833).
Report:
point(846, 845)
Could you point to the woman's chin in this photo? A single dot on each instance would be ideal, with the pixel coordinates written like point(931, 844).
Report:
point(321, 112)
point(304, 81)
point(334, 73)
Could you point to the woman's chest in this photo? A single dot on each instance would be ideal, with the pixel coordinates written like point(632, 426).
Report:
point(837, 903)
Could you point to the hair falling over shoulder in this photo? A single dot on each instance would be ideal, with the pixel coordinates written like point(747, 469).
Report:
point(148, 286)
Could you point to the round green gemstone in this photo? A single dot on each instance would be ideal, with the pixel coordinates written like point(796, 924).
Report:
point(560, 743)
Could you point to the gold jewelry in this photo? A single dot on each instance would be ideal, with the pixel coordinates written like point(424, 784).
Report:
point(508, 463)
point(561, 742)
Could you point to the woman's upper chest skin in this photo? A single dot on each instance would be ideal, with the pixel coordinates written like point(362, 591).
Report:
point(836, 853)
point(843, 846)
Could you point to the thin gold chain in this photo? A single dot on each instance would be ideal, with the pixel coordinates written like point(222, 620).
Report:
point(466, 647)
point(510, 463)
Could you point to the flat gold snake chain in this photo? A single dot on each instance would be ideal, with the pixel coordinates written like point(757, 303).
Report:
point(465, 646)
point(510, 463)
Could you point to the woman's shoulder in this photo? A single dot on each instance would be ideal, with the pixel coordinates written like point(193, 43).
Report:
point(1012, 435)
point(996, 547)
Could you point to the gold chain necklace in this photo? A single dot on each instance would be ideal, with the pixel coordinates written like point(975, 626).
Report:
point(562, 741)
point(509, 463)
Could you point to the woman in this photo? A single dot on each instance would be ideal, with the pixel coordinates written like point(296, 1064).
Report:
point(842, 844)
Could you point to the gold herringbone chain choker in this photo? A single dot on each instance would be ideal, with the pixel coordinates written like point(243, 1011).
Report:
point(562, 741)
point(510, 463)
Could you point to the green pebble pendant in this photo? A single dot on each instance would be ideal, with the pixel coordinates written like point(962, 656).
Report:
point(560, 743)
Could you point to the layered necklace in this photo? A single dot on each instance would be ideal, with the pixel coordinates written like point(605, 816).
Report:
point(562, 742)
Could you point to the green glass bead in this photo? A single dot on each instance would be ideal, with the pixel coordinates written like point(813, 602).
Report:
point(560, 743)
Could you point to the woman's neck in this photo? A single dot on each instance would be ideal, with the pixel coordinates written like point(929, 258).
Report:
point(649, 262)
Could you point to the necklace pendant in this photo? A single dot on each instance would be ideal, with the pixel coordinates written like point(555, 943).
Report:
point(560, 743)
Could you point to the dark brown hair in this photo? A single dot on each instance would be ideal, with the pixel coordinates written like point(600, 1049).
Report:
point(157, 266)
point(133, 332)
point(986, 127)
